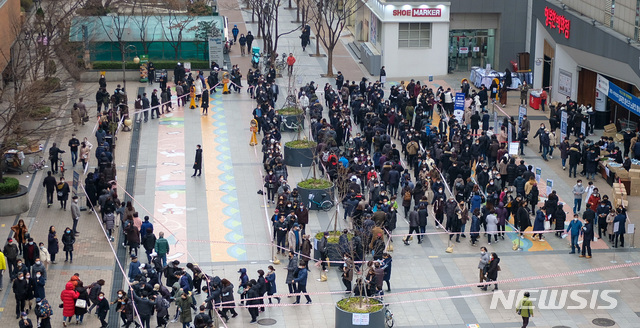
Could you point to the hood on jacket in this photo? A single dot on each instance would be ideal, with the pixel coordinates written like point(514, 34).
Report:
point(69, 286)
point(242, 271)
point(500, 205)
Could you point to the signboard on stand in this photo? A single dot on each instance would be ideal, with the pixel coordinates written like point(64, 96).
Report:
point(76, 181)
point(522, 111)
point(458, 107)
point(513, 148)
point(563, 125)
point(549, 186)
point(538, 174)
point(216, 54)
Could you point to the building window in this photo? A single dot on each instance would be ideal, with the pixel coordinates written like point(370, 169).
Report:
point(414, 35)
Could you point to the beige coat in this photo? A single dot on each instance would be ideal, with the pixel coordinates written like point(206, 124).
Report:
point(76, 116)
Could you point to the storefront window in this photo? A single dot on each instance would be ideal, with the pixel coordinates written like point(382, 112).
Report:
point(414, 35)
point(468, 48)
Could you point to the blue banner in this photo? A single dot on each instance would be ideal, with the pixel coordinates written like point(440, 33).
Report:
point(618, 95)
point(459, 103)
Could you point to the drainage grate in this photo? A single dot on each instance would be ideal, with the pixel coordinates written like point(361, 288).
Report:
point(267, 322)
point(603, 322)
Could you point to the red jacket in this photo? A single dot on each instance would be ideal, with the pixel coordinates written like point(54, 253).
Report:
point(68, 297)
point(291, 60)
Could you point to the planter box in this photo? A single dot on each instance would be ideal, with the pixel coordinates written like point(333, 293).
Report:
point(317, 196)
point(298, 156)
point(15, 204)
point(345, 319)
point(291, 121)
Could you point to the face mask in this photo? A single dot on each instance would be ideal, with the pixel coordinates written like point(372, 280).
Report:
point(491, 183)
point(19, 264)
point(123, 302)
point(575, 219)
point(25, 317)
point(100, 297)
point(38, 275)
point(579, 183)
point(38, 262)
point(68, 231)
point(483, 253)
point(119, 295)
point(21, 278)
point(40, 304)
point(30, 243)
point(28, 276)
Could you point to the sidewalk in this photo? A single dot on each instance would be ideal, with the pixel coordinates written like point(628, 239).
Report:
point(93, 258)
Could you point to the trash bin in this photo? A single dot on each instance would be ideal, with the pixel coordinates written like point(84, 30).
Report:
point(534, 100)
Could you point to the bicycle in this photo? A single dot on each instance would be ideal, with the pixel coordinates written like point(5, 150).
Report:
point(388, 317)
point(325, 205)
point(35, 167)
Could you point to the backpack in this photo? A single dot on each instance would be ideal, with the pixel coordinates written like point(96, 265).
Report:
point(165, 304)
point(407, 195)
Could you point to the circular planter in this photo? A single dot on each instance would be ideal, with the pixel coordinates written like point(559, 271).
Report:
point(319, 195)
point(15, 204)
point(333, 252)
point(290, 122)
point(344, 319)
point(298, 156)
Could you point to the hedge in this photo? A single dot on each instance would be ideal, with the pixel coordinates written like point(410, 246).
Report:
point(300, 144)
point(160, 64)
point(9, 186)
point(315, 184)
point(352, 305)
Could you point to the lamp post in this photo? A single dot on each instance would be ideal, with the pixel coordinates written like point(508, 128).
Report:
point(136, 59)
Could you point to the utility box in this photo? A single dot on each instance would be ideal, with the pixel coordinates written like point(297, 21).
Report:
point(371, 58)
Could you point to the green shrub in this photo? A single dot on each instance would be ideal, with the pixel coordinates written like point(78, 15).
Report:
point(290, 111)
point(300, 144)
point(160, 64)
point(26, 4)
point(352, 305)
point(199, 8)
point(315, 184)
point(334, 236)
point(46, 85)
point(40, 112)
point(9, 186)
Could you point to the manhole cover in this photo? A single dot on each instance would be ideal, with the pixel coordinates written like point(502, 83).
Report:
point(603, 322)
point(267, 322)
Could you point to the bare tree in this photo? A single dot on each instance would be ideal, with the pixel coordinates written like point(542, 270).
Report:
point(330, 18)
point(146, 26)
point(268, 25)
point(175, 24)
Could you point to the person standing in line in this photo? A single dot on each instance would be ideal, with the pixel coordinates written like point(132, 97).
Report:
point(301, 280)
point(322, 249)
point(252, 292)
point(290, 61)
point(578, 191)
point(63, 193)
point(525, 309)
point(524, 90)
point(3, 267)
point(20, 289)
point(482, 265)
point(10, 252)
point(54, 151)
point(155, 104)
point(197, 164)
point(52, 244)
point(162, 248)
point(20, 232)
point(587, 237)
point(68, 239)
point(205, 102)
point(413, 226)
point(73, 145)
point(75, 214)
point(621, 221)
point(271, 283)
point(50, 184)
point(145, 106)
point(291, 269)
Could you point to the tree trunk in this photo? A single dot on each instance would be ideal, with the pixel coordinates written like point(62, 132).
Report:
point(124, 80)
point(317, 46)
point(290, 5)
point(329, 62)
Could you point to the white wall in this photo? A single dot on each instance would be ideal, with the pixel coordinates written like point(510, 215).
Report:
point(408, 62)
point(565, 62)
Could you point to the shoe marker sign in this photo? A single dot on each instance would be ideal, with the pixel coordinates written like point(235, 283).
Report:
point(418, 12)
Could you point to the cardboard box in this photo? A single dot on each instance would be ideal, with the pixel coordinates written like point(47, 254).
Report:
point(622, 174)
point(609, 134)
point(624, 203)
point(610, 128)
point(618, 137)
point(634, 173)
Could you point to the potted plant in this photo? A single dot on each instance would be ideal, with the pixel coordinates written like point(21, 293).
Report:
point(333, 248)
point(320, 188)
point(299, 152)
point(359, 311)
point(14, 197)
point(292, 119)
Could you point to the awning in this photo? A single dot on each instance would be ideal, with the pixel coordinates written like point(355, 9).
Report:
point(605, 66)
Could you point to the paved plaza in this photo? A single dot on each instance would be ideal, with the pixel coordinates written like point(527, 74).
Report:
point(220, 222)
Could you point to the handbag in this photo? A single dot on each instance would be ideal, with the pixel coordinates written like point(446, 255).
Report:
point(80, 303)
point(499, 269)
point(85, 119)
point(547, 225)
point(240, 290)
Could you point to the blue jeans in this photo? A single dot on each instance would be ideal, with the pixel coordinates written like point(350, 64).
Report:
point(74, 157)
point(545, 151)
point(462, 229)
point(573, 168)
point(164, 259)
point(576, 205)
point(574, 243)
point(564, 161)
point(551, 151)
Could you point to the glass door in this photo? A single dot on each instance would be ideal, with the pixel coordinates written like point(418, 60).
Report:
point(468, 48)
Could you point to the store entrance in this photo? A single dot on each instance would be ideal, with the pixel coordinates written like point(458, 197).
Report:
point(468, 48)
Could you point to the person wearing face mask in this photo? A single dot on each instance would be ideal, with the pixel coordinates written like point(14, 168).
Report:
point(575, 227)
point(75, 213)
point(270, 182)
point(103, 309)
point(43, 313)
point(68, 239)
point(578, 191)
point(39, 268)
point(63, 190)
point(25, 322)
point(20, 289)
point(483, 264)
point(31, 253)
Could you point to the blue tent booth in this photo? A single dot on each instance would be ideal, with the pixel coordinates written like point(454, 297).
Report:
point(160, 32)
